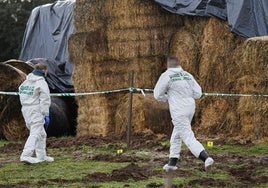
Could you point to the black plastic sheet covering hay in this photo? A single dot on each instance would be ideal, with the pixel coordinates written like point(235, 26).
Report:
point(59, 124)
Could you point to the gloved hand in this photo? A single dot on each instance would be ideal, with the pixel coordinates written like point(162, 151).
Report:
point(47, 120)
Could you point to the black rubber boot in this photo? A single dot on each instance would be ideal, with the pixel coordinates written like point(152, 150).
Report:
point(172, 161)
point(203, 155)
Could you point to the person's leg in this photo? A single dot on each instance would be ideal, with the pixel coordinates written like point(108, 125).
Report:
point(188, 137)
point(30, 142)
point(174, 150)
point(190, 141)
point(175, 144)
point(29, 146)
point(33, 119)
point(175, 147)
point(40, 146)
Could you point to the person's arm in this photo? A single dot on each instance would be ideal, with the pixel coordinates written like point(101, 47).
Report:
point(161, 88)
point(44, 99)
point(197, 90)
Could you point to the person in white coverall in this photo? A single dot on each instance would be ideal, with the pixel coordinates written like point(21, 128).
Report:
point(35, 100)
point(180, 89)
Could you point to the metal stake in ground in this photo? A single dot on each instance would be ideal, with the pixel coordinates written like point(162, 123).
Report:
point(131, 76)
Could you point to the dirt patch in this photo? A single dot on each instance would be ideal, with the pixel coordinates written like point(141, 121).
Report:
point(208, 182)
point(242, 169)
point(132, 171)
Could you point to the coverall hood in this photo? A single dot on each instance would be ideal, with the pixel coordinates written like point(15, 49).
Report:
point(176, 69)
point(33, 77)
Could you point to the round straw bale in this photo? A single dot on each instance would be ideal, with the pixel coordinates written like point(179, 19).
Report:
point(218, 47)
point(212, 120)
point(21, 65)
point(10, 79)
point(184, 45)
point(195, 25)
point(15, 129)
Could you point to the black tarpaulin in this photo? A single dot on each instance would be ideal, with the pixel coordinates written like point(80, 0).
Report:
point(57, 78)
point(184, 7)
point(46, 36)
point(248, 18)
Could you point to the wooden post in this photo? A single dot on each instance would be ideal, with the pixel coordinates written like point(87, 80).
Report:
point(129, 125)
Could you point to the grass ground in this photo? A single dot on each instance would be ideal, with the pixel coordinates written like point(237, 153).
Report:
point(95, 162)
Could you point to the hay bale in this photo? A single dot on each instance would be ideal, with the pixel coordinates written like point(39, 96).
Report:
point(217, 69)
point(147, 115)
point(196, 26)
point(186, 42)
point(184, 45)
point(10, 79)
point(96, 114)
point(134, 28)
point(21, 65)
point(15, 130)
point(217, 118)
point(218, 73)
point(253, 110)
point(120, 14)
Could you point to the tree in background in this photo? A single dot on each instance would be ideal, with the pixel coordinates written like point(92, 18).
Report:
point(14, 15)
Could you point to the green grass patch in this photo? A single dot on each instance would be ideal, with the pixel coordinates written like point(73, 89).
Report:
point(256, 149)
point(74, 166)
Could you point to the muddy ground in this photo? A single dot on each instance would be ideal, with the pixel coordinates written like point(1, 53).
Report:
point(245, 171)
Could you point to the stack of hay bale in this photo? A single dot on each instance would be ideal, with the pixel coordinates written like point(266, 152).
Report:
point(114, 37)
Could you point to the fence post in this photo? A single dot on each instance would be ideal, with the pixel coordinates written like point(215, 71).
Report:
point(129, 125)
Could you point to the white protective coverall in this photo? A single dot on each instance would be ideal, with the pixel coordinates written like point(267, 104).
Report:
point(180, 89)
point(35, 101)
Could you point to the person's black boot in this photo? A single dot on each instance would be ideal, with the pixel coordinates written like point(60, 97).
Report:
point(171, 164)
point(204, 157)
